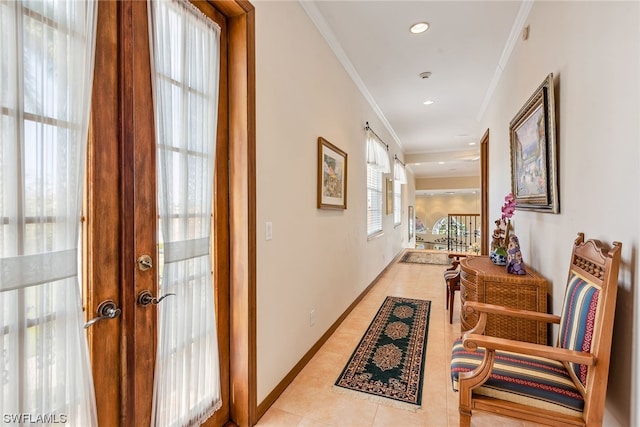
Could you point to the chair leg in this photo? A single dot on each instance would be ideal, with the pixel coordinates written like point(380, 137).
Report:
point(450, 292)
point(465, 420)
point(447, 287)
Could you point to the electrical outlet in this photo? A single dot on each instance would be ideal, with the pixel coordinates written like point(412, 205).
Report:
point(312, 317)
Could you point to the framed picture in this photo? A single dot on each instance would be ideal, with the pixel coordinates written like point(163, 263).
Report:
point(411, 223)
point(534, 163)
point(332, 176)
point(389, 189)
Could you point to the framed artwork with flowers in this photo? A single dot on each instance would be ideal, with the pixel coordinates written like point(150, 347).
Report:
point(332, 176)
point(534, 162)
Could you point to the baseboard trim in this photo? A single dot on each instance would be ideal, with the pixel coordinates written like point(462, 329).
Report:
point(279, 389)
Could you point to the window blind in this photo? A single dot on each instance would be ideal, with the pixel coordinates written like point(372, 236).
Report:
point(374, 200)
point(397, 203)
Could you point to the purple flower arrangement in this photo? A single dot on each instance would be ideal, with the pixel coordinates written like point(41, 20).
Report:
point(503, 225)
point(509, 207)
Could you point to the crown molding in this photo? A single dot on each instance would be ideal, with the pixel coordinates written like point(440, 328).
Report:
point(514, 35)
point(326, 32)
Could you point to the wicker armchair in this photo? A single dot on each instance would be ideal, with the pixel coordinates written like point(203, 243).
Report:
point(562, 385)
point(452, 281)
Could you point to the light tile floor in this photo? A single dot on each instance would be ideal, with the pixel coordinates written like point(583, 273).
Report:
point(312, 401)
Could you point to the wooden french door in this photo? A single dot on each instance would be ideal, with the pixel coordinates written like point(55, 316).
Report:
point(120, 217)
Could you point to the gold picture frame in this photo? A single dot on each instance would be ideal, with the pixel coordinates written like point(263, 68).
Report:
point(389, 194)
point(534, 162)
point(411, 221)
point(332, 176)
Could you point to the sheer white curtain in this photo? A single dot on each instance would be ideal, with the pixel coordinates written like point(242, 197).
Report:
point(399, 172)
point(46, 74)
point(185, 47)
point(377, 156)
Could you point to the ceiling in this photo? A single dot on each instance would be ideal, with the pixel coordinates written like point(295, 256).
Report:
point(464, 49)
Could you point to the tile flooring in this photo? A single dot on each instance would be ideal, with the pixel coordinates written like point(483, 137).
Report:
point(311, 401)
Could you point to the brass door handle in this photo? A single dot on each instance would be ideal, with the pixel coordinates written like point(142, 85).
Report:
point(146, 297)
point(106, 310)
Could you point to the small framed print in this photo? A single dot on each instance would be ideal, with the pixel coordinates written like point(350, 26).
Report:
point(411, 222)
point(332, 176)
point(389, 189)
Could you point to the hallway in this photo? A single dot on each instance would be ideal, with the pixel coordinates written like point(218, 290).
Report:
point(310, 399)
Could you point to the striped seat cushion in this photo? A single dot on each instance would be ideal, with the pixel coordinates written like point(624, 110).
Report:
point(528, 380)
point(577, 322)
point(450, 274)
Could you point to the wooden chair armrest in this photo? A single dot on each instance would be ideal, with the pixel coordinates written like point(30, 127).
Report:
point(454, 266)
point(472, 341)
point(457, 255)
point(479, 307)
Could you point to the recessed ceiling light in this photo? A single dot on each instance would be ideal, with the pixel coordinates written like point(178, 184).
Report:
point(428, 102)
point(441, 163)
point(472, 143)
point(420, 27)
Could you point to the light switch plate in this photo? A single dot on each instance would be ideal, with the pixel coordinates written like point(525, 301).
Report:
point(269, 230)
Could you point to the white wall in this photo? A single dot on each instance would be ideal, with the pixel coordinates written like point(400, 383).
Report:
point(593, 50)
point(321, 259)
point(318, 259)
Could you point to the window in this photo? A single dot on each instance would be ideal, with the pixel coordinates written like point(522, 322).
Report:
point(185, 84)
point(46, 66)
point(442, 226)
point(397, 202)
point(374, 201)
point(377, 164)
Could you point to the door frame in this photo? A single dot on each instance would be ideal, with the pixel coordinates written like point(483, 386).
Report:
point(242, 208)
point(484, 192)
point(102, 228)
point(121, 208)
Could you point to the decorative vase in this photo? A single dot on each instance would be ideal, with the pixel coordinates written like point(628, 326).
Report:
point(515, 264)
point(498, 257)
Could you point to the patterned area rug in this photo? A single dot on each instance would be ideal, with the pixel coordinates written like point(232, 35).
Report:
point(426, 257)
point(388, 364)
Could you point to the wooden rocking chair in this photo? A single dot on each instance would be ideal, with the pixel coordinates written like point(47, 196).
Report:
point(564, 385)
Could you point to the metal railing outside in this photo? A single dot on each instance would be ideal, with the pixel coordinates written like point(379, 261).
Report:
point(463, 231)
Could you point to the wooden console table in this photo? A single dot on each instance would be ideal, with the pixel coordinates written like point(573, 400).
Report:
point(483, 281)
